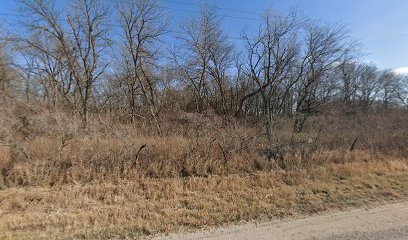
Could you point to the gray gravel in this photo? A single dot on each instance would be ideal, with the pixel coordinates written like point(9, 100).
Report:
point(389, 222)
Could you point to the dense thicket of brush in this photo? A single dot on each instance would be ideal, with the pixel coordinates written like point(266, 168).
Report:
point(40, 146)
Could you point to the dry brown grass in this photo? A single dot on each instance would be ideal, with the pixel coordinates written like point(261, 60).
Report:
point(58, 182)
point(133, 209)
point(42, 147)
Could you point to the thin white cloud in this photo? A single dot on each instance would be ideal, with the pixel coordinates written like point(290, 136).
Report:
point(402, 71)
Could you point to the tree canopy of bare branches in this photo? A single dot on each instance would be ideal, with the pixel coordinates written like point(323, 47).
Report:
point(92, 56)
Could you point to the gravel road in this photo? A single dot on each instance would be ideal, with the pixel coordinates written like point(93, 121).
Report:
point(386, 222)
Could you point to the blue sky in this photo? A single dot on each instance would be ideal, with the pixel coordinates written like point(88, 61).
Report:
point(382, 26)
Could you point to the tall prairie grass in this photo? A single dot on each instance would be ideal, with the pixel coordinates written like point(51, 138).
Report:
point(43, 147)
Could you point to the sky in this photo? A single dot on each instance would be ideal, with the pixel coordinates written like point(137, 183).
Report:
point(380, 25)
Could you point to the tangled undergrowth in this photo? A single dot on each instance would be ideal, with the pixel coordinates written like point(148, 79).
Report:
point(116, 180)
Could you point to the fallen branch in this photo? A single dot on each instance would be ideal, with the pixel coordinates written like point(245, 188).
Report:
point(353, 145)
point(136, 161)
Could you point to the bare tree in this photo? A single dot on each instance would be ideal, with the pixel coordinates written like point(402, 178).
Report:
point(5, 70)
point(348, 71)
point(143, 24)
point(4, 82)
point(368, 86)
point(80, 41)
point(220, 60)
point(325, 46)
point(43, 74)
point(204, 57)
point(90, 30)
point(270, 58)
point(291, 67)
point(402, 93)
point(389, 88)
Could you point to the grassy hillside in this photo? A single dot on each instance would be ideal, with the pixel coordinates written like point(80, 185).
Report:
point(120, 180)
